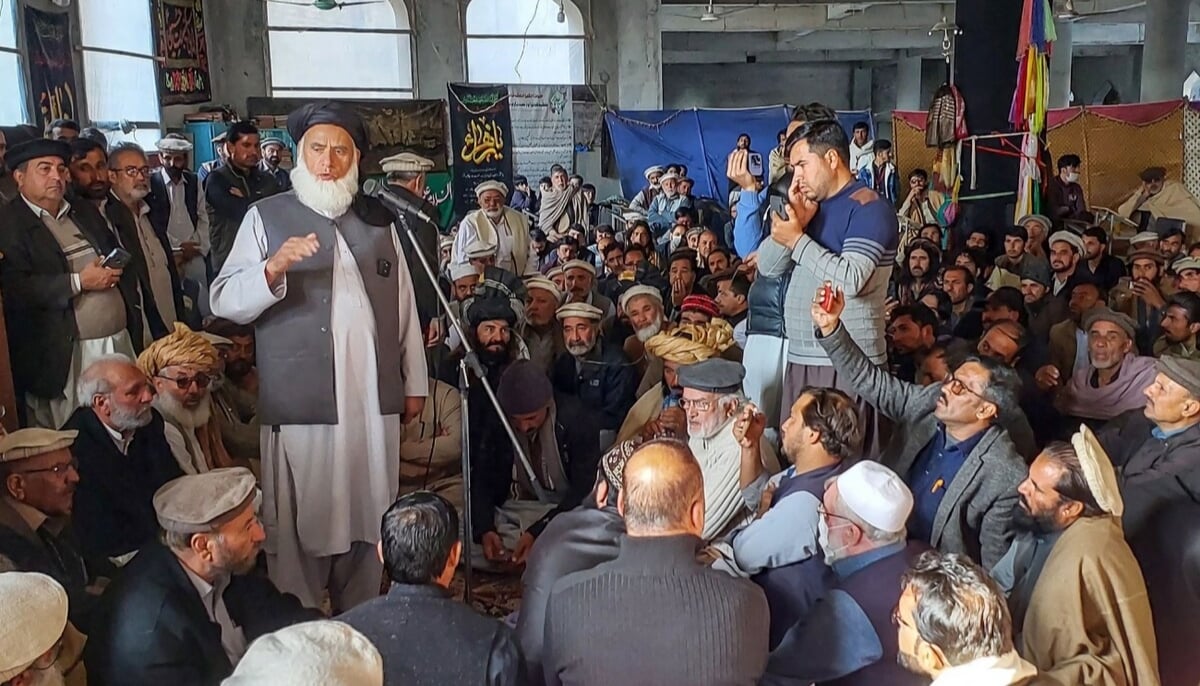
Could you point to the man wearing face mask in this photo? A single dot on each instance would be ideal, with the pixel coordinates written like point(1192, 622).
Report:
point(176, 210)
point(1064, 195)
point(848, 638)
point(495, 224)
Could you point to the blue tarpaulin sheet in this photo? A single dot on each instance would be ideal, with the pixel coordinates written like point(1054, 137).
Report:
point(701, 139)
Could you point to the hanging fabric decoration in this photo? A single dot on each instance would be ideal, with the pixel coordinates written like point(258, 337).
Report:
point(1028, 112)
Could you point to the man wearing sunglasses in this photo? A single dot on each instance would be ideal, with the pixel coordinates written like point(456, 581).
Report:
point(954, 444)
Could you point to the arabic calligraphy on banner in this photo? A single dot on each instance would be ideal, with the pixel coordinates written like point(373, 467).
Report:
point(480, 139)
point(51, 65)
point(182, 51)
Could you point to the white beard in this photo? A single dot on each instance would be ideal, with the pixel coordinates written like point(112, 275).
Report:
point(494, 215)
point(331, 198)
point(647, 332)
point(189, 418)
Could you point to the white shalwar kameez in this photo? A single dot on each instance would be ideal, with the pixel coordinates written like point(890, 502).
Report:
point(326, 487)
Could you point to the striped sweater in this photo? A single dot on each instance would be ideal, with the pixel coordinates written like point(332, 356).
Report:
point(850, 242)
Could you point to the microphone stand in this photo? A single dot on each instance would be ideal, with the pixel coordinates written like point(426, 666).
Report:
point(469, 362)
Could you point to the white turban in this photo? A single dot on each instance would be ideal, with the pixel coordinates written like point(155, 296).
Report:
point(321, 653)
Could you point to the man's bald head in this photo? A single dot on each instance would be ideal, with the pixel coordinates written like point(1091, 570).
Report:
point(663, 490)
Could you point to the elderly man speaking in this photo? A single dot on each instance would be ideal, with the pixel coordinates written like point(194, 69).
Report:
point(320, 272)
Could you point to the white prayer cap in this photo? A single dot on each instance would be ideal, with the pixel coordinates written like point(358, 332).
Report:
point(479, 249)
point(652, 170)
point(320, 653)
point(174, 142)
point(491, 186)
point(544, 284)
point(669, 176)
point(876, 495)
point(580, 264)
point(1098, 471)
point(462, 271)
point(33, 615)
point(639, 290)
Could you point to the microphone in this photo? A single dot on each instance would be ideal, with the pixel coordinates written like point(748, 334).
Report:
point(380, 190)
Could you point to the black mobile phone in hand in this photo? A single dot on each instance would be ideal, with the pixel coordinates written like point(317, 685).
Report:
point(117, 259)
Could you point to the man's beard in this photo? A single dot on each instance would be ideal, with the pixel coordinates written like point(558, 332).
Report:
point(490, 355)
point(910, 663)
point(95, 191)
point(1106, 364)
point(917, 272)
point(495, 214)
point(710, 428)
point(227, 564)
point(190, 418)
point(1038, 525)
point(237, 370)
point(138, 193)
point(174, 172)
point(650, 330)
point(130, 419)
point(332, 198)
point(580, 349)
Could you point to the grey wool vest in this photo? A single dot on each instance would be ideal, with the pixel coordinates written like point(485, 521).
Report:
point(293, 338)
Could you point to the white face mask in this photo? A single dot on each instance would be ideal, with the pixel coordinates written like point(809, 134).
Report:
point(1073, 177)
point(831, 555)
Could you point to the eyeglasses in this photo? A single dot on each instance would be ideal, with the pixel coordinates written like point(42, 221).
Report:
point(184, 382)
point(696, 404)
point(827, 514)
point(132, 172)
point(55, 470)
point(957, 387)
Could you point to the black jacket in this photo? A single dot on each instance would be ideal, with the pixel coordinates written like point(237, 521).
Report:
point(151, 628)
point(35, 278)
point(53, 551)
point(229, 196)
point(605, 382)
point(427, 637)
point(492, 466)
point(1153, 473)
point(114, 509)
point(137, 275)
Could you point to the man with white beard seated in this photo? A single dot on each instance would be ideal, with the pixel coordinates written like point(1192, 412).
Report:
point(642, 305)
point(182, 366)
point(33, 625)
point(498, 225)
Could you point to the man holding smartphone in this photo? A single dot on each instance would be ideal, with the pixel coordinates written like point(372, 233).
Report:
point(59, 319)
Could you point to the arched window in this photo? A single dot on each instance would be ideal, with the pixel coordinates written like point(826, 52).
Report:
point(523, 41)
point(356, 52)
point(12, 84)
point(119, 76)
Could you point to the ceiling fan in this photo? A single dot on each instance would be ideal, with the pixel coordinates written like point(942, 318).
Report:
point(710, 13)
point(326, 4)
point(1067, 11)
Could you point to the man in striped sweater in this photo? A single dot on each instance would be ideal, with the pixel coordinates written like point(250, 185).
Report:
point(837, 231)
point(655, 615)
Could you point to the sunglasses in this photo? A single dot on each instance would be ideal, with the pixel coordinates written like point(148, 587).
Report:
point(185, 382)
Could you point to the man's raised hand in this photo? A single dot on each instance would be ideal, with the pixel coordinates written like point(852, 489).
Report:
point(291, 253)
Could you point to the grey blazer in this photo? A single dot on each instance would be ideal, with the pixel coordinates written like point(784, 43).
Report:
point(974, 515)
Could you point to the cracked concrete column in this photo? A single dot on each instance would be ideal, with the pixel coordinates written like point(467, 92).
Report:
point(639, 54)
point(1060, 64)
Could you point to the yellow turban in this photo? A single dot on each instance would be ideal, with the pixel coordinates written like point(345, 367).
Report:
point(691, 343)
point(181, 346)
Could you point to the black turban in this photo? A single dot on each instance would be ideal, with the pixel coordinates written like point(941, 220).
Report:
point(37, 148)
point(490, 308)
point(328, 112)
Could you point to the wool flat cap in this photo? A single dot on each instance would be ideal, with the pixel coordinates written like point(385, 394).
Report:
point(490, 309)
point(1182, 371)
point(542, 283)
point(195, 503)
point(580, 310)
point(220, 137)
point(636, 291)
point(406, 162)
point(23, 444)
point(271, 140)
point(174, 142)
point(320, 653)
point(479, 248)
point(1098, 471)
point(715, 375)
point(446, 242)
point(1153, 174)
point(652, 170)
point(1037, 271)
point(214, 339)
point(33, 615)
point(1039, 218)
point(1143, 237)
point(36, 149)
point(580, 264)
point(328, 112)
point(700, 303)
point(1104, 314)
point(1185, 263)
point(876, 495)
point(493, 185)
point(1146, 253)
point(1069, 237)
point(462, 271)
point(524, 388)
point(669, 176)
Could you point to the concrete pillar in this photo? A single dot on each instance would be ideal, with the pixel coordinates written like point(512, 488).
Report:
point(437, 27)
point(603, 51)
point(1164, 64)
point(908, 83)
point(639, 52)
point(1060, 64)
point(860, 93)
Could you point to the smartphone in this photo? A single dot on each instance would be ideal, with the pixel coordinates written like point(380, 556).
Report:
point(754, 162)
point(117, 259)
